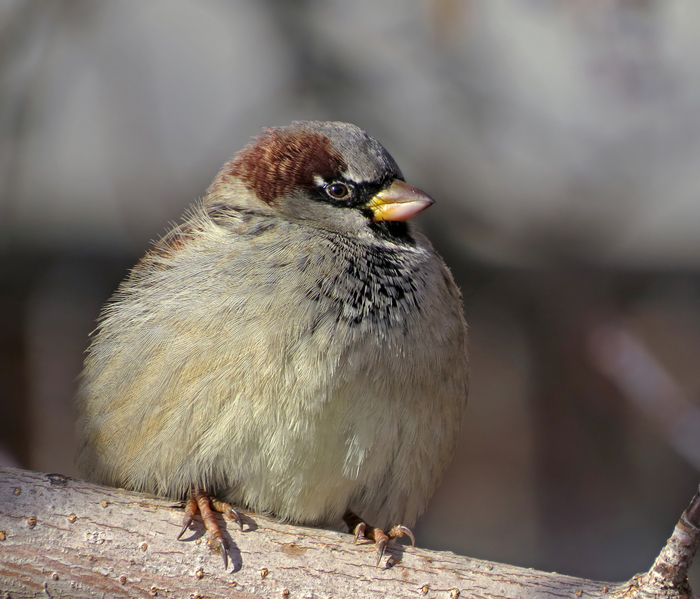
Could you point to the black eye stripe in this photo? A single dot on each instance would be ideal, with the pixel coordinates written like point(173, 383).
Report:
point(358, 193)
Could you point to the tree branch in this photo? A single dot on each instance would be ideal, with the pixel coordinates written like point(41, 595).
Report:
point(67, 538)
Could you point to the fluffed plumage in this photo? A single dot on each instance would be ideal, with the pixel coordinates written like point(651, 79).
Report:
point(293, 346)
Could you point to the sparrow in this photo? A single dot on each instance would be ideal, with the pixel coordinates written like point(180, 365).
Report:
point(293, 347)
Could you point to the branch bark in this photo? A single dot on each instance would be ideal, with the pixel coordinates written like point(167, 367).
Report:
point(67, 538)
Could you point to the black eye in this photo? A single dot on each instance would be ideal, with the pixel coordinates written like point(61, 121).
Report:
point(338, 191)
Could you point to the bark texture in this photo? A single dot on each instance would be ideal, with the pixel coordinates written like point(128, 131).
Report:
point(67, 538)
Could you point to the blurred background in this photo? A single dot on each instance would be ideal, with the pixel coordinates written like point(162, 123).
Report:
point(561, 139)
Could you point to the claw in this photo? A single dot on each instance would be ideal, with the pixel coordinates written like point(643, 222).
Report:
point(199, 501)
point(190, 511)
point(227, 510)
point(219, 544)
point(379, 557)
point(381, 539)
point(399, 530)
point(185, 525)
point(360, 531)
point(236, 517)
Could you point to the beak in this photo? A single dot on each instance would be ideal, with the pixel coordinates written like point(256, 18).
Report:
point(399, 201)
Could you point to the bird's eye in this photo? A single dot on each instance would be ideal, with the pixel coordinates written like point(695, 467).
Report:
point(338, 191)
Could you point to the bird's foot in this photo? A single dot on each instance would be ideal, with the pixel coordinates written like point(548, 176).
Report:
point(380, 537)
point(199, 501)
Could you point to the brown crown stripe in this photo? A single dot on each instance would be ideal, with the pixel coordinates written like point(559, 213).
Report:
point(280, 161)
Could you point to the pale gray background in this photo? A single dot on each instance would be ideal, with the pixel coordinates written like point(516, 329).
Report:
point(561, 140)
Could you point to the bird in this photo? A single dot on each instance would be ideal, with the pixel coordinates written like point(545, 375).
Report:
point(293, 347)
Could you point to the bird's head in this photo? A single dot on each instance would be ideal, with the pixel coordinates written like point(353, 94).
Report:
point(327, 174)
